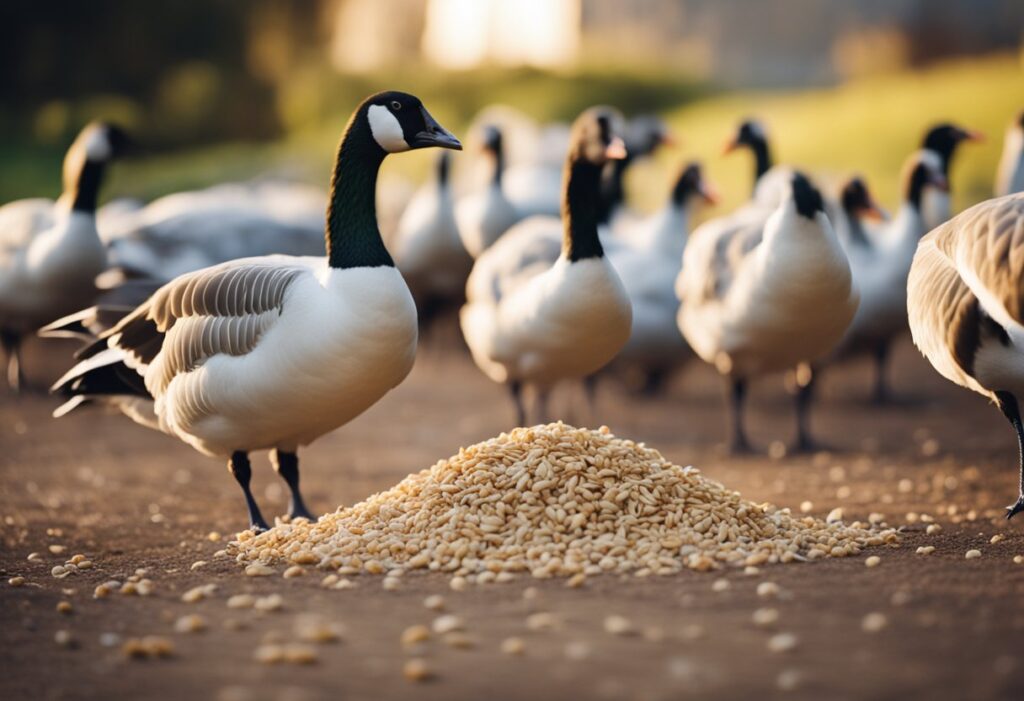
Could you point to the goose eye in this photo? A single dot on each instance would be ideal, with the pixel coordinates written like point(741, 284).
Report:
point(396, 105)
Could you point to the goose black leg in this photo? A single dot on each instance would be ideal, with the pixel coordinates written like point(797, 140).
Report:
point(11, 343)
point(515, 388)
point(880, 353)
point(738, 393)
point(1008, 405)
point(287, 465)
point(239, 466)
point(804, 397)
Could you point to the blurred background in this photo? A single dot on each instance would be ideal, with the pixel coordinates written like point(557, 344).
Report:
point(218, 90)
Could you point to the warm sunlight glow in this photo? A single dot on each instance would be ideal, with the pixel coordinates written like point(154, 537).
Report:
point(466, 33)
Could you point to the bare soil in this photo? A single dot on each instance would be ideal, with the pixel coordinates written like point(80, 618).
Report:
point(128, 498)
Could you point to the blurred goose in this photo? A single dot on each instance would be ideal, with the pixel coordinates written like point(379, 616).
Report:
point(648, 264)
point(1010, 177)
point(528, 321)
point(764, 298)
point(428, 249)
point(50, 252)
point(880, 257)
point(273, 352)
point(942, 140)
point(964, 304)
point(644, 136)
point(771, 182)
point(484, 216)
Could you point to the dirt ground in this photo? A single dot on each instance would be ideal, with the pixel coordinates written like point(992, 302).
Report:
point(128, 498)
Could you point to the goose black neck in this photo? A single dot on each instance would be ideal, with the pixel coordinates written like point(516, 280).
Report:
point(762, 158)
point(498, 154)
point(353, 239)
point(915, 189)
point(83, 188)
point(581, 201)
point(856, 229)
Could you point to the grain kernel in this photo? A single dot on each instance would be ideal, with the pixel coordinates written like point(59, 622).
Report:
point(64, 607)
point(873, 561)
point(874, 622)
point(16, 581)
point(414, 635)
point(972, 554)
point(783, 642)
point(766, 616)
point(618, 625)
point(192, 623)
point(513, 646)
point(434, 602)
point(416, 670)
point(446, 624)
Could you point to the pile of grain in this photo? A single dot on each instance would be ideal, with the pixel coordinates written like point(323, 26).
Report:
point(556, 501)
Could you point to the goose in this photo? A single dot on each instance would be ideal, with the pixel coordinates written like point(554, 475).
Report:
point(428, 249)
point(964, 306)
point(771, 182)
point(1010, 177)
point(484, 216)
point(50, 252)
point(767, 297)
point(856, 207)
point(648, 264)
point(269, 353)
point(943, 140)
point(645, 134)
point(528, 321)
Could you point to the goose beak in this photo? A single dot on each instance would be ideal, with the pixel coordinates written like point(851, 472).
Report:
point(972, 135)
point(873, 212)
point(434, 135)
point(730, 146)
point(709, 192)
point(667, 138)
point(616, 150)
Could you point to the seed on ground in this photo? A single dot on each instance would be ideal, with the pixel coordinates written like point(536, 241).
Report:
point(192, 623)
point(765, 616)
point(789, 680)
point(925, 550)
point(269, 654)
point(767, 589)
point(416, 670)
point(446, 624)
point(835, 515)
point(577, 580)
point(806, 507)
point(300, 653)
point(996, 538)
point(458, 583)
point(1018, 559)
point(874, 622)
point(513, 646)
point(434, 602)
point(64, 607)
point(197, 564)
point(16, 581)
point(241, 601)
point(541, 621)
point(873, 561)
point(413, 635)
point(313, 630)
point(60, 571)
point(57, 549)
point(258, 569)
point(203, 591)
point(34, 557)
point(294, 571)
point(933, 528)
point(147, 647)
point(720, 585)
point(458, 639)
point(618, 625)
point(64, 638)
point(271, 602)
point(972, 554)
point(329, 581)
point(782, 642)
point(392, 583)
point(643, 500)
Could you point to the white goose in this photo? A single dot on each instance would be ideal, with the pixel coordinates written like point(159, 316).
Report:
point(50, 252)
point(765, 298)
point(484, 216)
point(273, 352)
point(965, 306)
point(648, 264)
point(1010, 177)
point(527, 321)
point(645, 134)
point(428, 249)
point(943, 140)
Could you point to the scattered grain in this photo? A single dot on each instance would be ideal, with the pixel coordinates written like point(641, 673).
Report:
point(513, 646)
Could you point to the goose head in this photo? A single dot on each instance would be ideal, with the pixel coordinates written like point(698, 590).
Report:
point(857, 201)
point(691, 186)
point(807, 200)
point(923, 169)
point(752, 135)
point(944, 139)
point(646, 134)
point(96, 145)
point(595, 137)
point(399, 122)
point(101, 142)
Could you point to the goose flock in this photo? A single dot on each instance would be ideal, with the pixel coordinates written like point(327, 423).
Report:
point(235, 321)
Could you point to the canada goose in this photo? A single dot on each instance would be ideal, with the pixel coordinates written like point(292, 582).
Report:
point(273, 352)
point(943, 140)
point(428, 249)
point(50, 252)
point(766, 297)
point(527, 321)
point(855, 206)
point(644, 136)
point(648, 263)
point(1010, 177)
point(771, 182)
point(484, 216)
point(964, 306)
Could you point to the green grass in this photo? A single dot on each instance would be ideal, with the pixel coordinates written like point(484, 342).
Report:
point(867, 126)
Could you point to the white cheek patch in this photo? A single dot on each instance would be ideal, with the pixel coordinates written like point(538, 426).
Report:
point(97, 145)
point(386, 130)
